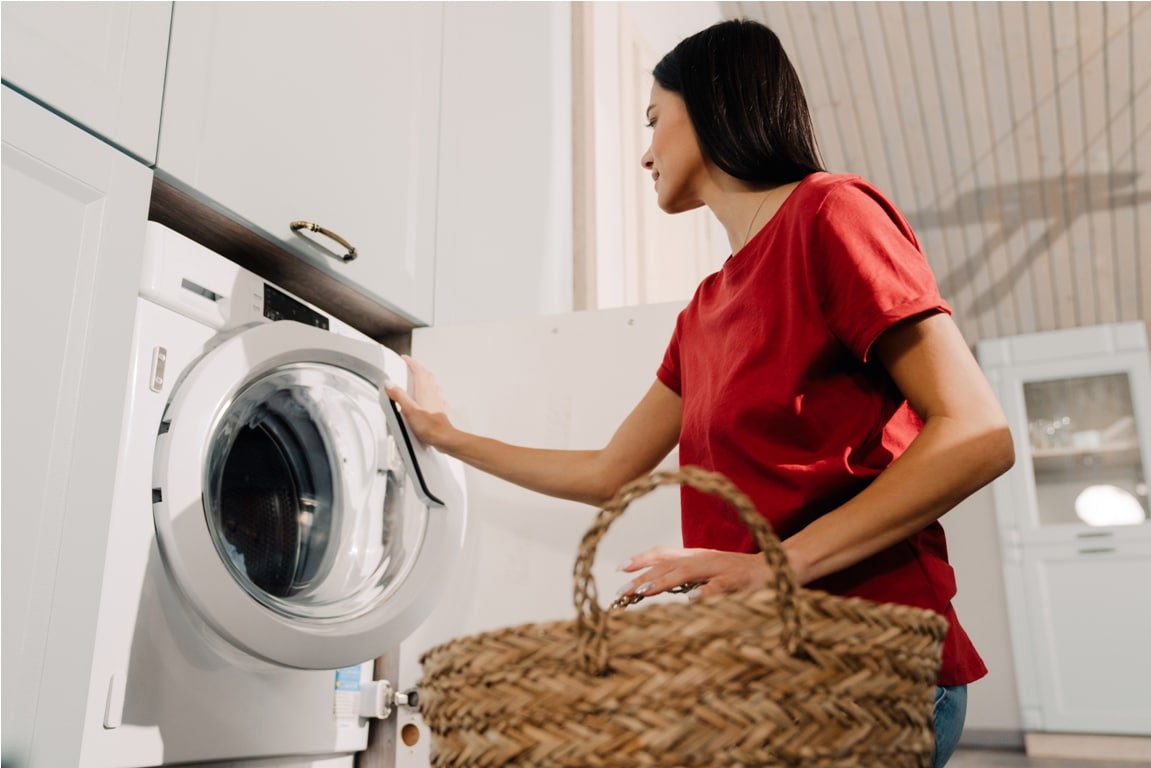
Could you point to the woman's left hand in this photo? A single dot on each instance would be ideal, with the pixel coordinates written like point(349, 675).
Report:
point(667, 567)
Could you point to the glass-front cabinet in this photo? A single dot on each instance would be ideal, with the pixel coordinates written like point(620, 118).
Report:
point(1073, 518)
point(1085, 451)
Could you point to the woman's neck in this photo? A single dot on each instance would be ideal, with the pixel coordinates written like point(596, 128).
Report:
point(744, 212)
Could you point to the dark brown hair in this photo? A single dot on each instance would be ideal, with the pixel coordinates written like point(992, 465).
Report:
point(745, 102)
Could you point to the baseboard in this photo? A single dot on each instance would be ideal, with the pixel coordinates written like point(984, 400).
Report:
point(992, 738)
point(1087, 746)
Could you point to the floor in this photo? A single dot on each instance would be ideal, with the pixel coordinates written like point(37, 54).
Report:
point(993, 758)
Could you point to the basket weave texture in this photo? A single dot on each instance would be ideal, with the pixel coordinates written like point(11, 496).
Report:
point(783, 676)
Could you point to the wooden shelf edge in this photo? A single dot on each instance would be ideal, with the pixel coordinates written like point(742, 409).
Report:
point(182, 212)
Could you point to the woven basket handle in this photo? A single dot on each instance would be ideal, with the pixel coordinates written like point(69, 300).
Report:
point(591, 622)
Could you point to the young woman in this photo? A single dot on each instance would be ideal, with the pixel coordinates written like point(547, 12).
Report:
point(819, 369)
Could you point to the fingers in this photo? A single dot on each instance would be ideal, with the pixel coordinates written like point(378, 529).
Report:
point(400, 396)
point(650, 557)
point(424, 387)
point(648, 584)
point(417, 370)
point(665, 568)
point(707, 590)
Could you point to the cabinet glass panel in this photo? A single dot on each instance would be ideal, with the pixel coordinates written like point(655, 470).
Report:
point(1085, 451)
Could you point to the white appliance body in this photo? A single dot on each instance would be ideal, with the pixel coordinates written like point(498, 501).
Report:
point(274, 528)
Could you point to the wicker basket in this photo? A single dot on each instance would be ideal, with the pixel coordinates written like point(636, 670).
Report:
point(783, 676)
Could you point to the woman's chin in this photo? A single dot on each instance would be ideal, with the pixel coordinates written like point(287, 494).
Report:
point(679, 206)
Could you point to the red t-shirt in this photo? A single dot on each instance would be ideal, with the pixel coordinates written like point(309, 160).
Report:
point(780, 394)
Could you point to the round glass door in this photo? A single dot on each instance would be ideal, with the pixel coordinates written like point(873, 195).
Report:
point(304, 494)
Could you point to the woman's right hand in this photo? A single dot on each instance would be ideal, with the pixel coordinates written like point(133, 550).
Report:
point(425, 409)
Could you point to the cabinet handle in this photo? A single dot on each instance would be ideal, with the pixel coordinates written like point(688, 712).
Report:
point(351, 254)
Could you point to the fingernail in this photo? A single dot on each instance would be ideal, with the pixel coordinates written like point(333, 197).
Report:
point(623, 590)
point(643, 588)
point(624, 565)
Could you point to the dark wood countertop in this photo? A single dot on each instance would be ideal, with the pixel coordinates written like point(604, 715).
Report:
point(180, 211)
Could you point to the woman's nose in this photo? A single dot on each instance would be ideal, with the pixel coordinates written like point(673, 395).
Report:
point(647, 161)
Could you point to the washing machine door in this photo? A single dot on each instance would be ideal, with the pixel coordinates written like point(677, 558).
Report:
point(295, 514)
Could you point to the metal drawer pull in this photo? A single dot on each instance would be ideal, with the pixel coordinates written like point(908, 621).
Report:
point(1097, 551)
point(351, 254)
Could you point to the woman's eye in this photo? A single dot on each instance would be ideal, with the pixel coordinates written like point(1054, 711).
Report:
point(650, 124)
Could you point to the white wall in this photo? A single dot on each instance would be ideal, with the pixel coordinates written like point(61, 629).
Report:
point(654, 28)
point(504, 227)
point(503, 232)
point(974, 551)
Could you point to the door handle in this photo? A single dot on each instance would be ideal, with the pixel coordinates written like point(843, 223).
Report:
point(312, 227)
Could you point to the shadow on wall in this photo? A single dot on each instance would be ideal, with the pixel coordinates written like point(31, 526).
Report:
point(1059, 201)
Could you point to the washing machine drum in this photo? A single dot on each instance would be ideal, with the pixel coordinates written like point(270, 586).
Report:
point(304, 493)
point(292, 510)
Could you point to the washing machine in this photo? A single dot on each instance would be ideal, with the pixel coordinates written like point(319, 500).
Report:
point(275, 529)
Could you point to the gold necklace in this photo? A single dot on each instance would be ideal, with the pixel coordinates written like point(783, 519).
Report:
point(754, 216)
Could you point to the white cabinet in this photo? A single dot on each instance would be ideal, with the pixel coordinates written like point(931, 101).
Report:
point(99, 64)
point(1089, 631)
point(74, 214)
point(504, 212)
point(319, 112)
point(1073, 517)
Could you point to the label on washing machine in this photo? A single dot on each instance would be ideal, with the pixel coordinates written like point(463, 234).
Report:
point(346, 707)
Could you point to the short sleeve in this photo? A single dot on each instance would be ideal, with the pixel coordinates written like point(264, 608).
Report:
point(669, 370)
point(869, 265)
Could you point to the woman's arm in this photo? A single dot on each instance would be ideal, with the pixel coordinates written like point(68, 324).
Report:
point(644, 438)
point(965, 444)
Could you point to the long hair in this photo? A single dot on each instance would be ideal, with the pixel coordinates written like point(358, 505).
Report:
point(745, 102)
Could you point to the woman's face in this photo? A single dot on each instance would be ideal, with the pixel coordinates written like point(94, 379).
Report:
point(674, 158)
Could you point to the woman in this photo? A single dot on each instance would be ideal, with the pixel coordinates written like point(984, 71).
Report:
point(819, 369)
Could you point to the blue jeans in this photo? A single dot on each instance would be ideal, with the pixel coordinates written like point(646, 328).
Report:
point(950, 712)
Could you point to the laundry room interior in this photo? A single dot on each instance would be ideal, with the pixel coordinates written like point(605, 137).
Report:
point(223, 543)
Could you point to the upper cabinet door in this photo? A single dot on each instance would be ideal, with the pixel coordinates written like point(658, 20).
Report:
point(320, 112)
point(99, 64)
